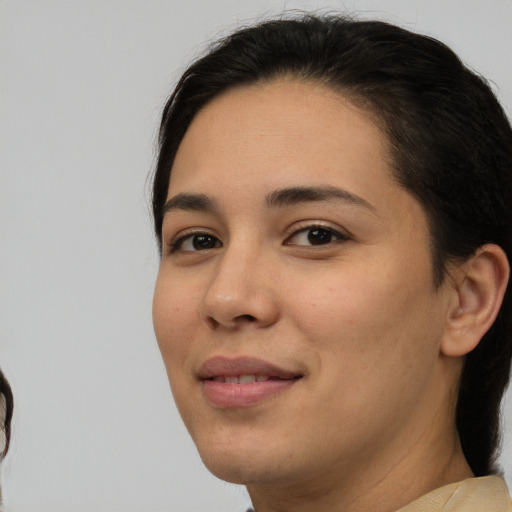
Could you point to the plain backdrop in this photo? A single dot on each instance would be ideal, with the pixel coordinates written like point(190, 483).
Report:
point(82, 84)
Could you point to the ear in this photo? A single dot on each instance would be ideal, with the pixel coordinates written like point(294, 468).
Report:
point(478, 289)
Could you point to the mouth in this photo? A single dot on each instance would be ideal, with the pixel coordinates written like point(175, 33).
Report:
point(243, 382)
point(243, 379)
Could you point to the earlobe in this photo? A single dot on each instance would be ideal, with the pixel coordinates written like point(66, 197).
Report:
point(478, 293)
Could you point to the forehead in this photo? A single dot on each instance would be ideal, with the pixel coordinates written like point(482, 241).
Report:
point(279, 134)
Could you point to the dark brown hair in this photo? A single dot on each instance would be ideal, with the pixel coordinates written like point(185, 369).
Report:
point(6, 410)
point(451, 145)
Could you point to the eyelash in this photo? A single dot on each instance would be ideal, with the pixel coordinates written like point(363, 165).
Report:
point(339, 237)
point(177, 245)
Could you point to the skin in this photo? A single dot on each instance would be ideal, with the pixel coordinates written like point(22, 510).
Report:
point(370, 425)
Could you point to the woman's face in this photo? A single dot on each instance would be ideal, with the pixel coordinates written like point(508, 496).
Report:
point(294, 307)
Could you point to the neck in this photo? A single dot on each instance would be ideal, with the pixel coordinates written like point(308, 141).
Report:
point(402, 483)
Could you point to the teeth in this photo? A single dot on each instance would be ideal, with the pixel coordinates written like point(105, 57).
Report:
point(247, 379)
point(241, 379)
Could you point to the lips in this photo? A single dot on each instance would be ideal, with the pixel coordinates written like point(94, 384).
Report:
point(243, 382)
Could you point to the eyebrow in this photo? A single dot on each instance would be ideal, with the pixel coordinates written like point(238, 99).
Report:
point(291, 196)
point(280, 198)
point(190, 202)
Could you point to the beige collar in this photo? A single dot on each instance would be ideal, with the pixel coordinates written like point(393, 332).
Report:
point(485, 494)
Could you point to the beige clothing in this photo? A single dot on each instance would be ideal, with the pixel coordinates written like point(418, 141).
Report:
point(485, 494)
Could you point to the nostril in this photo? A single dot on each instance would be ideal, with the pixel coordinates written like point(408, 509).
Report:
point(212, 322)
point(247, 318)
point(240, 319)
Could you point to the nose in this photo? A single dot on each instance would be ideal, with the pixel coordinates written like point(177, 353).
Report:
point(242, 292)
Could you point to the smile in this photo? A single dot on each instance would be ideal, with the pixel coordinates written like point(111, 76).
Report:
point(242, 382)
point(242, 379)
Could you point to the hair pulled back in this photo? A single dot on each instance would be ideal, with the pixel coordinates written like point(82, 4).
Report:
point(450, 143)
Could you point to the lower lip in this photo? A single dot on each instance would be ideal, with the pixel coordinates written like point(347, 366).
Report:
point(232, 396)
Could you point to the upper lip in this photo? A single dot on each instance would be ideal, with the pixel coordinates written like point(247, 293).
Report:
point(225, 366)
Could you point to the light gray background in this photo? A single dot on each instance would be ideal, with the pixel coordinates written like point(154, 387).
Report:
point(82, 85)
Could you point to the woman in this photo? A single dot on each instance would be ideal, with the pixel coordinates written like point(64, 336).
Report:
point(333, 203)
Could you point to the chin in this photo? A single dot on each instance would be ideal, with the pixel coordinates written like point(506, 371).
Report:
point(233, 467)
point(234, 474)
point(240, 462)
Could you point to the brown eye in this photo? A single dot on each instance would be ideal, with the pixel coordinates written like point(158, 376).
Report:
point(320, 236)
point(201, 242)
point(315, 235)
point(196, 242)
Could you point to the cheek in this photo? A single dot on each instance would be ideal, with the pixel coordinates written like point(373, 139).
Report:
point(175, 316)
point(378, 321)
point(375, 348)
point(341, 303)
